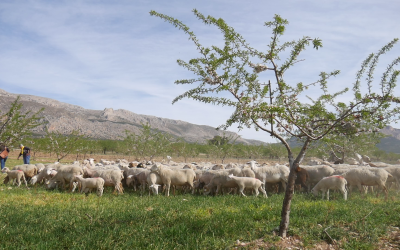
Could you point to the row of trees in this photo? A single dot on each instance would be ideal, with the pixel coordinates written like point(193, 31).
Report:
point(150, 143)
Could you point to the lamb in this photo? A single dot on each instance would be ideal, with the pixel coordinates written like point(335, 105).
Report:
point(45, 174)
point(141, 178)
point(132, 172)
point(219, 180)
point(368, 177)
point(111, 177)
point(15, 175)
point(270, 174)
point(89, 184)
point(316, 173)
point(177, 177)
point(65, 174)
point(334, 182)
point(248, 182)
point(203, 178)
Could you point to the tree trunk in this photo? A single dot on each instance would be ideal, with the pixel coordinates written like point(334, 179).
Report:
point(285, 214)
point(294, 164)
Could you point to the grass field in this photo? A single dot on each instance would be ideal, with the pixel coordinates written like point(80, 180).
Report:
point(36, 218)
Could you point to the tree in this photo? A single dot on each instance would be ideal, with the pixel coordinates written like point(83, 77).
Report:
point(231, 76)
point(185, 149)
point(16, 125)
point(63, 145)
point(148, 143)
point(341, 146)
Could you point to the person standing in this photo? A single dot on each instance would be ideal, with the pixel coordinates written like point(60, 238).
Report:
point(26, 154)
point(3, 155)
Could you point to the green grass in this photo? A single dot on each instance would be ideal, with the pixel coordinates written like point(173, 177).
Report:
point(36, 218)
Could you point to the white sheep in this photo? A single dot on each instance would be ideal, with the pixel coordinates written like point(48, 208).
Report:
point(316, 173)
point(395, 172)
point(45, 175)
point(334, 182)
point(15, 176)
point(367, 177)
point(65, 174)
point(219, 180)
point(271, 174)
point(154, 181)
point(176, 177)
point(90, 184)
point(248, 182)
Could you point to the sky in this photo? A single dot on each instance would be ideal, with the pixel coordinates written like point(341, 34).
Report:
point(101, 54)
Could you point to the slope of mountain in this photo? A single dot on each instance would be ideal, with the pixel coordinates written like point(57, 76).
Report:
point(107, 123)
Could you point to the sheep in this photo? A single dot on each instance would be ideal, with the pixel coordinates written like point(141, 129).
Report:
point(112, 177)
point(334, 182)
point(219, 180)
point(40, 167)
point(89, 184)
point(395, 172)
point(368, 177)
point(177, 177)
point(247, 172)
point(154, 181)
point(45, 174)
point(29, 170)
point(65, 174)
point(271, 174)
point(302, 177)
point(316, 173)
point(141, 178)
point(248, 182)
point(15, 175)
point(203, 178)
point(132, 172)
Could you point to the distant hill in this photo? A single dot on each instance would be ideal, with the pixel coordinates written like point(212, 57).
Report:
point(108, 123)
point(391, 143)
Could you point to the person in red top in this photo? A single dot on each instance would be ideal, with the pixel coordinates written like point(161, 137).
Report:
point(3, 155)
point(26, 154)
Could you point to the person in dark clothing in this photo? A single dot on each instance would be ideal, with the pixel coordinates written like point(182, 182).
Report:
point(26, 154)
point(3, 155)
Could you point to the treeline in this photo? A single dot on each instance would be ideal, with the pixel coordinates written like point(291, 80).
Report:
point(150, 144)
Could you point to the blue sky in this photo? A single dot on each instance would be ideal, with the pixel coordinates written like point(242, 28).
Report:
point(113, 54)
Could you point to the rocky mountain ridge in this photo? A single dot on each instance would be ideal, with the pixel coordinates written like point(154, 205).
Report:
point(107, 123)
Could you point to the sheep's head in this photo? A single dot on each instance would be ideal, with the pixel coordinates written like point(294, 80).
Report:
point(314, 191)
point(230, 176)
point(155, 168)
point(154, 188)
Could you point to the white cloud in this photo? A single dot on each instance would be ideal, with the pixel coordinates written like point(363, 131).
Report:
point(116, 55)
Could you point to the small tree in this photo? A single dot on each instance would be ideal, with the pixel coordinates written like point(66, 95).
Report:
point(341, 146)
point(185, 149)
point(16, 125)
point(230, 76)
point(148, 143)
point(63, 145)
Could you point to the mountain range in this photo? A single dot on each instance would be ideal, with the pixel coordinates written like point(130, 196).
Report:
point(108, 123)
point(112, 124)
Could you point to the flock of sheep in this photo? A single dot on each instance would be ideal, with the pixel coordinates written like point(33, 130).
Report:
point(205, 178)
